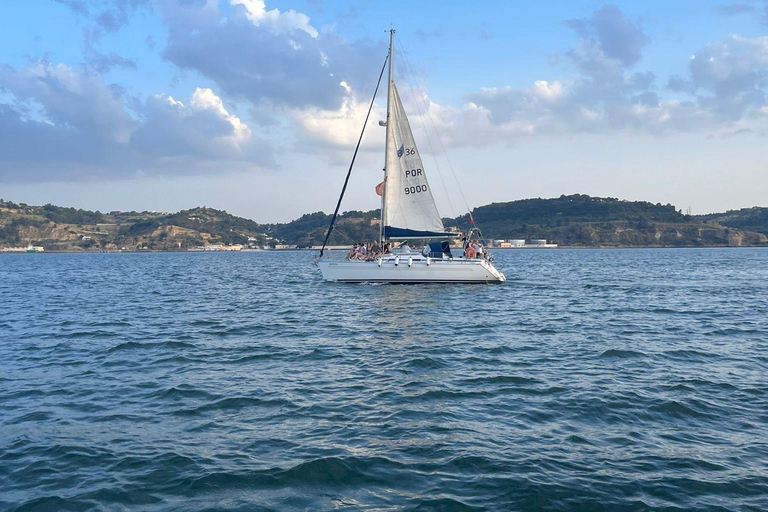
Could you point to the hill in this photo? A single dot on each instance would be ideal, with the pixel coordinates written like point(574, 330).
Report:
point(309, 230)
point(575, 220)
point(581, 220)
point(57, 228)
point(751, 219)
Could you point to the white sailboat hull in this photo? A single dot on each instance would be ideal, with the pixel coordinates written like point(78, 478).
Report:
point(411, 269)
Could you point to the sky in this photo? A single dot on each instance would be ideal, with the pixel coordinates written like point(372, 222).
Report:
point(255, 106)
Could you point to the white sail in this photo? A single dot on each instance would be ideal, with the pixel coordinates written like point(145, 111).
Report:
point(409, 208)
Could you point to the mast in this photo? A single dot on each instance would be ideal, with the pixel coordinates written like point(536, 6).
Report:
point(386, 139)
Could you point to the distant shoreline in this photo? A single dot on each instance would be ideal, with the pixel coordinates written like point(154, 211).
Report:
point(521, 249)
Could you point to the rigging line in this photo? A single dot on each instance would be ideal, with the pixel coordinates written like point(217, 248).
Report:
point(447, 157)
point(408, 74)
point(436, 132)
point(349, 239)
point(352, 163)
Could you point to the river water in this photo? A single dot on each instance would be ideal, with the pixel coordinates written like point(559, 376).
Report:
point(592, 380)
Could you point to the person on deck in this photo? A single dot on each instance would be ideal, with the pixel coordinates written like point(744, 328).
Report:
point(374, 252)
point(478, 249)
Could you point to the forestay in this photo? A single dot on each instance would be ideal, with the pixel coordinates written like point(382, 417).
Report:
point(409, 208)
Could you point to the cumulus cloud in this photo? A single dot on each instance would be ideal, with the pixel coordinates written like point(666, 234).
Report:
point(315, 83)
point(606, 93)
point(67, 122)
point(202, 127)
point(259, 54)
point(729, 77)
point(275, 21)
point(338, 128)
point(725, 86)
point(71, 98)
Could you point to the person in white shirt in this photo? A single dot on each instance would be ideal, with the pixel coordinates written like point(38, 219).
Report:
point(478, 249)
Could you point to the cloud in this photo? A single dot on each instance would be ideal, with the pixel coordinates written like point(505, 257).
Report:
point(202, 127)
point(615, 35)
point(606, 93)
point(335, 132)
point(724, 89)
point(747, 7)
point(113, 15)
point(258, 54)
point(277, 22)
point(104, 62)
point(71, 98)
point(729, 78)
point(314, 83)
point(101, 17)
point(67, 122)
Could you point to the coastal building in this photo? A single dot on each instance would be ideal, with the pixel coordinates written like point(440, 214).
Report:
point(29, 248)
point(222, 247)
point(518, 243)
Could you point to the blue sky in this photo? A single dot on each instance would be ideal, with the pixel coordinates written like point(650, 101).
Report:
point(254, 107)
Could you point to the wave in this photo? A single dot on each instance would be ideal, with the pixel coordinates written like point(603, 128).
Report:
point(426, 363)
point(236, 403)
point(502, 379)
point(621, 354)
point(135, 345)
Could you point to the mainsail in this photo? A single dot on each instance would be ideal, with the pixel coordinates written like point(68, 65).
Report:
point(409, 208)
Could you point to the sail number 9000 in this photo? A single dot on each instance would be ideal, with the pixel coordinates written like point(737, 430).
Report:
point(415, 190)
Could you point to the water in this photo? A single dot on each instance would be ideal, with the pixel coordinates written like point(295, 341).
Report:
point(610, 380)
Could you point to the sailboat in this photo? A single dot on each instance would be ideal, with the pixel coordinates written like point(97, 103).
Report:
point(409, 212)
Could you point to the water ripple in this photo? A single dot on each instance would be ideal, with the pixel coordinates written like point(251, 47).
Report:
point(593, 380)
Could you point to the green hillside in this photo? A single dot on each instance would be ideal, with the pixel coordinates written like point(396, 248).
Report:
point(751, 219)
point(575, 220)
point(581, 220)
point(309, 230)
